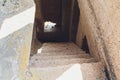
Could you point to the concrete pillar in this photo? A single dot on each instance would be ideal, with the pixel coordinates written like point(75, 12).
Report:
point(16, 26)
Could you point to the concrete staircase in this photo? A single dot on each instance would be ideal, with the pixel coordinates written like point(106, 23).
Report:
point(63, 61)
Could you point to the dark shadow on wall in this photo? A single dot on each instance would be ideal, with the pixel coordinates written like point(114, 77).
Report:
point(85, 45)
point(36, 44)
point(107, 74)
point(75, 21)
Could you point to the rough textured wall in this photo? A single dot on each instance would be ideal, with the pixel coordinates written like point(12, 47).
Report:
point(35, 43)
point(100, 23)
point(87, 28)
point(16, 25)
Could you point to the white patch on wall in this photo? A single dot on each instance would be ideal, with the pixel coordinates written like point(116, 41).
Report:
point(49, 26)
point(73, 73)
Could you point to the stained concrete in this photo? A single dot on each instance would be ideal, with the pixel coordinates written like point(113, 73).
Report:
point(16, 26)
point(99, 22)
point(14, 53)
point(9, 8)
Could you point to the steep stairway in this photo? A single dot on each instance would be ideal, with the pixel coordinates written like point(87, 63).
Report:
point(63, 61)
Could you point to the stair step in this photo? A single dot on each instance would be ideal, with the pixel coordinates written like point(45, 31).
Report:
point(75, 50)
point(58, 62)
point(60, 52)
point(53, 73)
point(54, 46)
point(62, 48)
point(85, 71)
point(38, 56)
point(48, 44)
point(59, 47)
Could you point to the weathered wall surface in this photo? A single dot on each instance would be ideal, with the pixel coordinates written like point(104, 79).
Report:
point(87, 28)
point(38, 16)
point(100, 23)
point(14, 53)
point(16, 25)
point(38, 9)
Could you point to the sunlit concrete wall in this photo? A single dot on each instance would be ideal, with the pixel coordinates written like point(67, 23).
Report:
point(87, 27)
point(100, 22)
point(16, 26)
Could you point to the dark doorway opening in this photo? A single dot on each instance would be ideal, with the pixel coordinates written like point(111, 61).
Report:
point(52, 11)
point(52, 17)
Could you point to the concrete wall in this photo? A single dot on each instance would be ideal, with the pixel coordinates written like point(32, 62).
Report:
point(100, 22)
point(16, 26)
point(38, 16)
point(87, 28)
